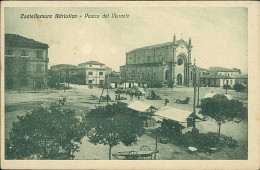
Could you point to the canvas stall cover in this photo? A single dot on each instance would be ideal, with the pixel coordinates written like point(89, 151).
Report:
point(175, 114)
point(140, 106)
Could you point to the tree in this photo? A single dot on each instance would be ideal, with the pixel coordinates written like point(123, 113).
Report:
point(113, 124)
point(43, 133)
point(170, 128)
point(239, 88)
point(222, 110)
point(53, 79)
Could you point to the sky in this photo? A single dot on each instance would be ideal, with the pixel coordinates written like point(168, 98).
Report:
point(219, 35)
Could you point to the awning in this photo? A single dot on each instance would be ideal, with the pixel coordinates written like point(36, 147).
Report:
point(140, 106)
point(210, 95)
point(175, 114)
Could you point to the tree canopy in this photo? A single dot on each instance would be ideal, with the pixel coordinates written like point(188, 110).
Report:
point(42, 133)
point(239, 87)
point(113, 124)
point(222, 109)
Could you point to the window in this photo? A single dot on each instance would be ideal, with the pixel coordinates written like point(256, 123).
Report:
point(101, 73)
point(90, 81)
point(180, 61)
point(163, 59)
point(24, 53)
point(90, 73)
point(133, 73)
point(90, 65)
point(230, 82)
point(38, 68)
point(223, 81)
point(148, 59)
point(39, 54)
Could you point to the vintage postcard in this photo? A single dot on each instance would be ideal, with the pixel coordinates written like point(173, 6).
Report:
point(130, 85)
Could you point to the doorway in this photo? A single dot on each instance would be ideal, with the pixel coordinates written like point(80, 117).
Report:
point(179, 79)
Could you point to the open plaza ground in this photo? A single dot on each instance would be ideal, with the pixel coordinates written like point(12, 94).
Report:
point(77, 98)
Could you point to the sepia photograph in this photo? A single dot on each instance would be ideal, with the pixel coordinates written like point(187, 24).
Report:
point(125, 83)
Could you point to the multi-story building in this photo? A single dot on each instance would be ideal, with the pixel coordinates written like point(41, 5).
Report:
point(161, 64)
point(92, 72)
point(26, 62)
point(219, 76)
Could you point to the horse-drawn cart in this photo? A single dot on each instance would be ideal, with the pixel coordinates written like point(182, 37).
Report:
point(145, 153)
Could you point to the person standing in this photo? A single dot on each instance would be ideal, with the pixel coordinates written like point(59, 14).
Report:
point(166, 102)
point(131, 95)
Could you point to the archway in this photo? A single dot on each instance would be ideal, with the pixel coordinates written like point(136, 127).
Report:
point(179, 79)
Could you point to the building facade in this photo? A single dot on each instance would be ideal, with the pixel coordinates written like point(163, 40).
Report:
point(26, 63)
point(220, 76)
point(92, 72)
point(65, 73)
point(161, 64)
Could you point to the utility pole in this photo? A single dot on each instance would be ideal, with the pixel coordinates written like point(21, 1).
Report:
point(194, 85)
point(198, 99)
point(107, 87)
point(125, 80)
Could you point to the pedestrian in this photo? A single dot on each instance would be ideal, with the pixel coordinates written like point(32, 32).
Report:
point(64, 100)
point(138, 95)
point(119, 96)
point(131, 95)
point(116, 96)
point(166, 102)
point(60, 100)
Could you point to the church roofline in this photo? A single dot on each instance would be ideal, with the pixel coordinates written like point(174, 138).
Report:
point(178, 43)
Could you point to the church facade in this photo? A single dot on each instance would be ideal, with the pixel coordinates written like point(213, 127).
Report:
point(160, 65)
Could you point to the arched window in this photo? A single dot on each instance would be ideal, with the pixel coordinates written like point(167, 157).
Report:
point(180, 61)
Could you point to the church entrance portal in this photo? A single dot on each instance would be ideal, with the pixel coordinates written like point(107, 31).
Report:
point(179, 79)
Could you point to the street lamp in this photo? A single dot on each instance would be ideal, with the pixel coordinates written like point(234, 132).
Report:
point(194, 85)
